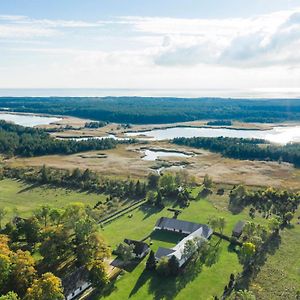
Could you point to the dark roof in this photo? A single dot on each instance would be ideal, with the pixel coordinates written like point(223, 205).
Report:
point(75, 280)
point(163, 252)
point(238, 228)
point(139, 247)
point(182, 225)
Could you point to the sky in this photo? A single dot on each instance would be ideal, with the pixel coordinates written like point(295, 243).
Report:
point(233, 45)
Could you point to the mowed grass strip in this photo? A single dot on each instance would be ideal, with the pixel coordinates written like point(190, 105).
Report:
point(26, 198)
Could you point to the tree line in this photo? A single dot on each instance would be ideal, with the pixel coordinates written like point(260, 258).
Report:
point(250, 149)
point(24, 141)
point(147, 110)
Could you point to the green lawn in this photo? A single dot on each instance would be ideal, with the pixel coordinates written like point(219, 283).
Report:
point(198, 283)
point(26, 198)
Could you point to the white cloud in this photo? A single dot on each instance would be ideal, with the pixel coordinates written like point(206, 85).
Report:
point(142, 52)
point(23, 32)
point(252, 42)
point(12, 26)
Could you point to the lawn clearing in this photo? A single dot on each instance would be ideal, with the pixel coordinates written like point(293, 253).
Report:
point(26, 198)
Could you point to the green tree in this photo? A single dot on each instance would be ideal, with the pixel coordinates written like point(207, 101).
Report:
point(56, 216)
point(167, 184)
point(159, 200)
point(207, 182)
point(237, 196)
point(22, 271)
point(56, 246)
point(5, 269)
point(73, 213)
point(288, 217)
point(217, 223)
point(163, 267)
point(94, 248)
point(45, 288)
point(190, 247)
point(10, 296)
point(173, 266)
point(125, 252)
point(83, 228)
point(42, 214)
point(31, 229)
point(3, 213)
point(138, 189)
point(153, 180)
point(274, 224)
point(44, 174)
point(151, 197)
point(246, 253)
point(98, 274)
point(151, 262)
point(242, 295)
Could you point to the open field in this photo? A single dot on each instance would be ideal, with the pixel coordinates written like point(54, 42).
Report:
point(126, 160)
point(279, 278)
point(26, 198)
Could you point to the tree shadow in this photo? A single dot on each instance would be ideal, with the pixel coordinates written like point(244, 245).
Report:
point(105, 292)
point(204, 193)
point(213, 256)
point(29, 188)
point(168, 287)
point(144, 277)
point(149, 210)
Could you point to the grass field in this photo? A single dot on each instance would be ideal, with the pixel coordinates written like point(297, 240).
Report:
point(200, 282)
point(26, 198)
point(279, 277)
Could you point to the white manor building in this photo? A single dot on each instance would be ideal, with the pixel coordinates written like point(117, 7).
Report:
point(193, 230)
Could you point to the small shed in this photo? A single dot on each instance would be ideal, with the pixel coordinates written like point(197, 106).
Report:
point(140, 250)
point(238, 229)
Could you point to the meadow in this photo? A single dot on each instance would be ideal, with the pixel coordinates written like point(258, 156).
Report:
point(24, 198)
point(279, 277)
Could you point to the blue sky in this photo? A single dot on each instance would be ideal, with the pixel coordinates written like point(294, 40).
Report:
point(95, 9)
point(244, 45)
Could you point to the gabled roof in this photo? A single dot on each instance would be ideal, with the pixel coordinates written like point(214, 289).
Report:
point(163, 252)
point(185, 226)
point(201, 232)
point(75, 280)
point(139, 247)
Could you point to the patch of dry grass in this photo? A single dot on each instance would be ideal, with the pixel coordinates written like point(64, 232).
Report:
point(126, 160)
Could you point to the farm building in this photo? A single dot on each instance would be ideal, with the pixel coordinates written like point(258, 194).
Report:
point(193, 230)
point(238, 229)
point(76, 283)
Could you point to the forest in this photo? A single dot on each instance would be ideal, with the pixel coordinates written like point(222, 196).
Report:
point(147, 110)
point(239, 148)
point(24, 141)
